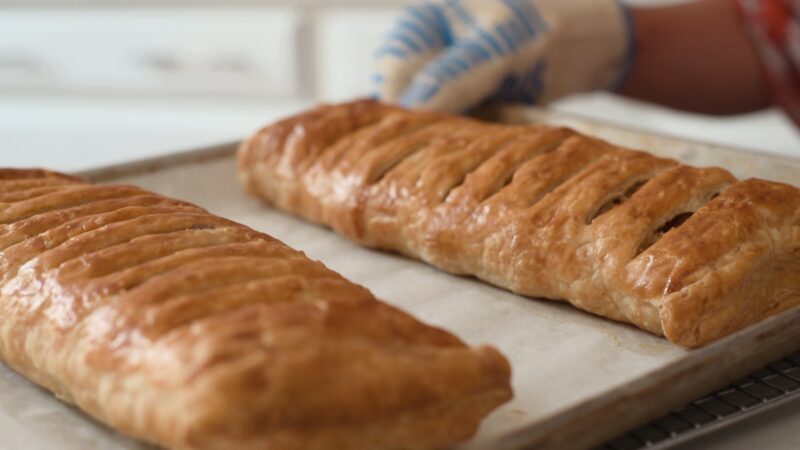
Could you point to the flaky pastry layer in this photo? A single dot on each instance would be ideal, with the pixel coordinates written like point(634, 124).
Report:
point(194, 332)
point(688, 253)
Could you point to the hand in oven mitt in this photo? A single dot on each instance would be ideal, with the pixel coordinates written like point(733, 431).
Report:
point(451, 55)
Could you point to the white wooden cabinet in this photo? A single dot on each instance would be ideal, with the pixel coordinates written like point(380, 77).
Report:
point(157, 50)
point(345, 42)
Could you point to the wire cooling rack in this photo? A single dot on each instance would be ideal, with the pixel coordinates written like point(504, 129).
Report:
point(762, 390)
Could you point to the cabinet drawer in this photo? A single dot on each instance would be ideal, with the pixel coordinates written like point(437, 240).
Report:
point(211, 50)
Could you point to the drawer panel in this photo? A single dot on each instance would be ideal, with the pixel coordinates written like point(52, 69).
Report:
point(237, 50)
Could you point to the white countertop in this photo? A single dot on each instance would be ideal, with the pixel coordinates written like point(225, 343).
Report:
point(71, 134)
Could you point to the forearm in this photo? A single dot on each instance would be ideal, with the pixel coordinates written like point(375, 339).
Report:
point(696, 57)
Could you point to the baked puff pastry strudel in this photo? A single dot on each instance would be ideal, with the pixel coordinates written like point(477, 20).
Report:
point(194, 332)
point(688, 253)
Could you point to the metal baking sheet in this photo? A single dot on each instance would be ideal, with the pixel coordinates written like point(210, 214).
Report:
point(579, 380)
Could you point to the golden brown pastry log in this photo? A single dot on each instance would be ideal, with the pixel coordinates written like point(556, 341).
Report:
point(684, 252)
point(193, 332)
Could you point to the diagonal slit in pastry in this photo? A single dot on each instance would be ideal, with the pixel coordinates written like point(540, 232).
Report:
point(11, 196)
point(62, 200)
point(39, 224)
point(618, 199)
point(471, 168)
point(347, 153)
point(565, 178)
point(674, 222)
point(394, 162)
point(509, 177)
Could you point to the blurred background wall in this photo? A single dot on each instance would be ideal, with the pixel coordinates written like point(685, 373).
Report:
point(86, 82)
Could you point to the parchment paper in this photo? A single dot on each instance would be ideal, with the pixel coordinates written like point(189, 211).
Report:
point(560, 356)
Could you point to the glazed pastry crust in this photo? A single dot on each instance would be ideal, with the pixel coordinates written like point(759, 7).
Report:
point(688, 253)
point(193, 332)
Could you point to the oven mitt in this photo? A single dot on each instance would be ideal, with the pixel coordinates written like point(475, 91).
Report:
point(450, 55)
